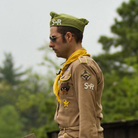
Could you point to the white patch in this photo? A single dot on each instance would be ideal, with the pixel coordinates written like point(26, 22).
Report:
point(90, 86)
point(58, 22)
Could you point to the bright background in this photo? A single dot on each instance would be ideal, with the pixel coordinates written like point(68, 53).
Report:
point(24, 26)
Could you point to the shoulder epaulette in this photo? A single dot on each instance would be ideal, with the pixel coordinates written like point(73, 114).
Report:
point(83, 59)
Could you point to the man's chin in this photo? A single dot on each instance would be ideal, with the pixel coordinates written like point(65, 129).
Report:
point(59, 56)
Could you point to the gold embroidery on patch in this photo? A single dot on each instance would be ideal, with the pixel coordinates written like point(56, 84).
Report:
point(66, 103)
point(86, 75)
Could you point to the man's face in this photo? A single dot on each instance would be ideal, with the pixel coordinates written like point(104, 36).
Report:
point(56, 43)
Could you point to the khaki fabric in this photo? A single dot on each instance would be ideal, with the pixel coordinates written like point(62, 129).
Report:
point(80, 111)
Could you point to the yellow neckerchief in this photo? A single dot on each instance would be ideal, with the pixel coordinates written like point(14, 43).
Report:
point(73, 57)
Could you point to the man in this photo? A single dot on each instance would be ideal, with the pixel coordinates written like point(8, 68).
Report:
point(79, 84)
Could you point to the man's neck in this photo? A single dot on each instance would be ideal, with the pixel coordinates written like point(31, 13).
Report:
point(74, 48)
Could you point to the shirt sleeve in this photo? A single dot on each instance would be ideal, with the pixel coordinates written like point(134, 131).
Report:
point(85, 84)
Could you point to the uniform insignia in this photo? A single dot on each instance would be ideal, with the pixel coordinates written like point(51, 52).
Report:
point(90, 86)
point(57, 22)
point(86, 75)
point(64, 87)
point(66, 103)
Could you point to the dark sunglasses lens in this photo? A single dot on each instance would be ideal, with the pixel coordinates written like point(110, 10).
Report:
point(52, 38)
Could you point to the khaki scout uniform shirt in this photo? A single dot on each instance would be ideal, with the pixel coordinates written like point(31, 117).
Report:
point(79, 112)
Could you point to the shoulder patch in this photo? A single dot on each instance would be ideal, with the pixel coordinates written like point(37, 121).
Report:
point(86, 75)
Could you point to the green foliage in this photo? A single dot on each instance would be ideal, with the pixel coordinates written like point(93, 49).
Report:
point(34, 101)
point(120, 97)
point(8, 72)
point(30, 102)
point(125, 31)
point(28, 106)
point(121, 67)
point(10, 124)
point(113, 62)
point(8, 94)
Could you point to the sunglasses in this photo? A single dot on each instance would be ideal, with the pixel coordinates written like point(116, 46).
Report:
point(53, 38)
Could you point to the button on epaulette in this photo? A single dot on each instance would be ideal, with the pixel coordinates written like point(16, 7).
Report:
point(83, 59)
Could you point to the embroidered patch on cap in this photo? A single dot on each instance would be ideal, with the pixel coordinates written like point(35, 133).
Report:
point(86, 75)
point(57, 22)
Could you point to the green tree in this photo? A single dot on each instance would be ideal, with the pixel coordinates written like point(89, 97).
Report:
point(10, 124)
point(121, 67)
point(8, 94)
point(8, 72)
point(33, 99)
point(36, 103)
point(125, 30)
point(120, 97)
point(49, 106)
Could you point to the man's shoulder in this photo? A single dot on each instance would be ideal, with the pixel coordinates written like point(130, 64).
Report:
point(85, 62)
point(81, 60)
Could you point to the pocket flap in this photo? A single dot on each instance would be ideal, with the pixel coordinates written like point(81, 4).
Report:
point(65, 77)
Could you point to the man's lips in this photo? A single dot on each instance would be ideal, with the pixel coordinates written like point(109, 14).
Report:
point(54, 50)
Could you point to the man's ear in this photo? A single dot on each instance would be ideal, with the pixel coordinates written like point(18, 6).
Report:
point(68, 36)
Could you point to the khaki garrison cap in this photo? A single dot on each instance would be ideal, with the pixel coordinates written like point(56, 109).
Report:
point(67, 20)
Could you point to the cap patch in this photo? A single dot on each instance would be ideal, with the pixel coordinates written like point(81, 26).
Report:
point(57, 22)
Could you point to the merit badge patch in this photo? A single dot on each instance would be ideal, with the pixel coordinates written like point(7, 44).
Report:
point(66, 103)
point(64, 87)
point(86, 75)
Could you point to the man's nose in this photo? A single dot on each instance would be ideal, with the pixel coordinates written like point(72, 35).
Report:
point(51, 44)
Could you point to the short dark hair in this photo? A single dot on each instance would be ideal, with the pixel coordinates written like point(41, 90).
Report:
point(78, 35)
